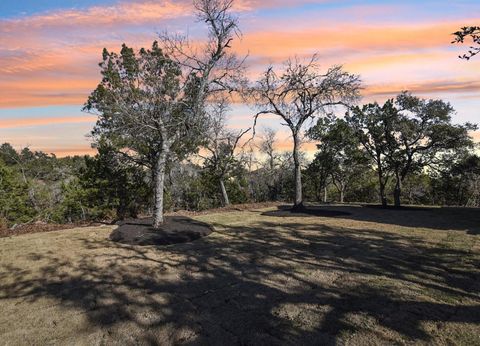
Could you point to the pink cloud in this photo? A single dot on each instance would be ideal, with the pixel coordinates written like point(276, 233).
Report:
point(124, 13)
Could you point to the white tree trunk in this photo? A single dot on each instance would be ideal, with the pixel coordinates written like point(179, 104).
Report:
point(224, 193)
point(342, 191)
point(298, 172)
point(159, 187)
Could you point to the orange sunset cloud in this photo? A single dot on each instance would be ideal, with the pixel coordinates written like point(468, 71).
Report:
point(125, 13)
point(66, 76)
point(276, 43)
point(23, 122)
point(64, 152)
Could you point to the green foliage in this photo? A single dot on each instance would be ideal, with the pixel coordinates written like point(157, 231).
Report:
point(417, 189)
point(146, 105)
point(407, 135)
point(72, 208)
point(339, 159)
point(15, 206)
point(8, 154)
point(317, 175)
point(237, 187)
point(364, 188)
point(191, 189)
point(108, 184)
point(460, 184)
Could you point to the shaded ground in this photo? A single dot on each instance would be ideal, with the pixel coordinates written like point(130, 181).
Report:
point(175, 230)
point(444, 218)
point(357, 278)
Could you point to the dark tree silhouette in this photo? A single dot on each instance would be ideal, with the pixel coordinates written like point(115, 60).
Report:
point(472, 32)
point(372, 123)
point(409, 134)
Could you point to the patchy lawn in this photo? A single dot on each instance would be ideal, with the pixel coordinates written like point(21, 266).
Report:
point(339, 275)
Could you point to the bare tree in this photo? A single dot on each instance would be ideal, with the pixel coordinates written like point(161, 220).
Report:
point(299, 93)
point(151, 104)
point(267, 147)
point(221, 145)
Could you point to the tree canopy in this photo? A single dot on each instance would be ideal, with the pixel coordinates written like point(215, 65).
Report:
point(408, 134)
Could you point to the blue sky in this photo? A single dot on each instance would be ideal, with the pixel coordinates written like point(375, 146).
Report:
point(9, 8)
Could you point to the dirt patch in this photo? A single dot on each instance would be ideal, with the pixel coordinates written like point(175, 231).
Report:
point(176, 229)
point(40, 227)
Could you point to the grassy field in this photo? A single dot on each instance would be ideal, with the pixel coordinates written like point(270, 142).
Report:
point(342, 275)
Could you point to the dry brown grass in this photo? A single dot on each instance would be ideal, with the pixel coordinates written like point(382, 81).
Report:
point(359, 276)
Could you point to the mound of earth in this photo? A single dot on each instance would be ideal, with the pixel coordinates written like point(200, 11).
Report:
point(176, 229)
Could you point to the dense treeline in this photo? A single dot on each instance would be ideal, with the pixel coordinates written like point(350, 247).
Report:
point(35, 186)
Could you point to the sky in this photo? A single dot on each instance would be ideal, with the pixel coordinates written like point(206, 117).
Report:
point(50, 49)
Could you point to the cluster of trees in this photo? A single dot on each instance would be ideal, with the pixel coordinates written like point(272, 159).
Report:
point(160, 107)
point(404, 137)
point(32, 184)
point(109, 186)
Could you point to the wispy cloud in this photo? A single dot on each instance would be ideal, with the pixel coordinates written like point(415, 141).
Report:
point(97, 16)
point(427, 87)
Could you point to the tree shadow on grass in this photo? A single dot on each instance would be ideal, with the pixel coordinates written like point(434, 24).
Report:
point(447, 218)
point(264, 284)
point(288, 211)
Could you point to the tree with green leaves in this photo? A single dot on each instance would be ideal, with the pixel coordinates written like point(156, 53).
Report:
point(318, 173)
point(150, 104)
point(300, 93)
point(8, 154)
point(372, 125)
point(459, 184)
point(15, 204)
point(109, 183)
point(339, 152)
point(407, 135)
